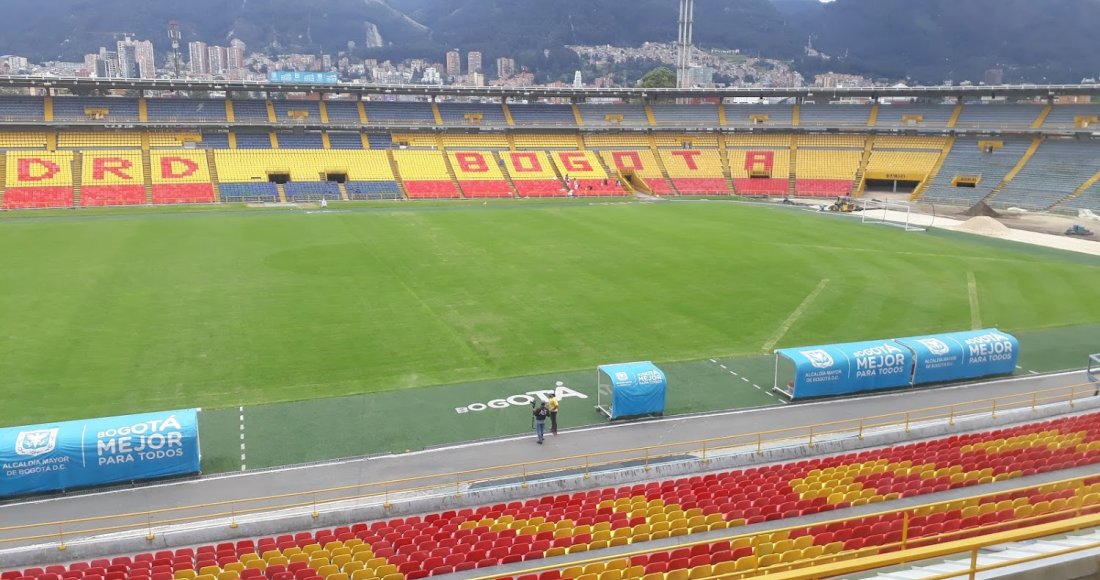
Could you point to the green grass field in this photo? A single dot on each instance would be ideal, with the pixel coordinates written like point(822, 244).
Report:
point(103, 314)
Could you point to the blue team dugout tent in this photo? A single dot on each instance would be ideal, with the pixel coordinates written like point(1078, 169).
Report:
point(630, 390)
point(841, 369)
point(962, 355)
point(79, 454)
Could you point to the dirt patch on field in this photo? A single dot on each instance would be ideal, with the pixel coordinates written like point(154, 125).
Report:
point(983, 225)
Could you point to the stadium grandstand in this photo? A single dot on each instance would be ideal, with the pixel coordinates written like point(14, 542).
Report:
point(68, 151)
point(1000, 474)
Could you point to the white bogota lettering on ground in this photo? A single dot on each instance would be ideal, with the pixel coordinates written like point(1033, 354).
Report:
point(885, 359)
point(989, 347)
point(146, 441)
point(522, 400)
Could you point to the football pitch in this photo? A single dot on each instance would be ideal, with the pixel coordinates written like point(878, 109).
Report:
point(106, 314)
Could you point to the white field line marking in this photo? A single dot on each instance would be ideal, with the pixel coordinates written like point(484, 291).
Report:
point(243, 456)
point(793, 318)
point(975, 307)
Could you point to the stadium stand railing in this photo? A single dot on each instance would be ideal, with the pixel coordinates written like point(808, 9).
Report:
point(913, 116)
point(827, 116)
point(543, 115)
point(998, 117)
point(472, 115)
point(803, 437)
point(584, 521)
point(613, 115)
point(759, 116)
point(343, 112)
point(399, 113)
point(186, 110)
point(297, 112)
point(95, 109)
point(895, 536)
point(703, 116)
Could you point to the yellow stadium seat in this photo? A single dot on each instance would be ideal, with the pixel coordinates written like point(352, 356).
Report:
point(352, 567)
point(394, 576)
point(386, 570)
point(700, 572)
point(555, 551)
point(619, 564)
point(634, 572)
point(790, 556)
point(236, 567)
point(326, 570)
point(746, 563)
point(572, 572)
point(365, 574)
point(620, 541)
point(594, 568)
point(184, 575)
point(677, 575)
point(210, 570)
point(611, 575)
point(337, 576)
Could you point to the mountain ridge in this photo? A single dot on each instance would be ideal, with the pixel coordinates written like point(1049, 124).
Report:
point(927, 41)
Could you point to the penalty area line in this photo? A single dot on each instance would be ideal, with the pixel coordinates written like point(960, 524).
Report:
point(793, 318)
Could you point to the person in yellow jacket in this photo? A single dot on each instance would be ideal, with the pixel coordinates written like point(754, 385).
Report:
point(552, 404)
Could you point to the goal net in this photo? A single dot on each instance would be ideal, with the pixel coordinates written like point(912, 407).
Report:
point(892, 213)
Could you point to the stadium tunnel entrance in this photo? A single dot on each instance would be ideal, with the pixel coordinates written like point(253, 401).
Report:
point(892, 185)
point(336, 177)
point(278, 177)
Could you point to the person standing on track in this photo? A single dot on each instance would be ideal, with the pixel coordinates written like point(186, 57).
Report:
point(552, 405)
point(540, 413)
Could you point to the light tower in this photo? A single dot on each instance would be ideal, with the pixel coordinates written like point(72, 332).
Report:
point(687, 25)
point(175, 36)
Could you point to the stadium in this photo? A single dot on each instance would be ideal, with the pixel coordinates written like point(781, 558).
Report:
point(357, 292)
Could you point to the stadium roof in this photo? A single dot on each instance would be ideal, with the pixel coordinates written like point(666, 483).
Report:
point(85, 84)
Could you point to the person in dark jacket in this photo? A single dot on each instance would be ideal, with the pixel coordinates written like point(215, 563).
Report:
point(541, 413)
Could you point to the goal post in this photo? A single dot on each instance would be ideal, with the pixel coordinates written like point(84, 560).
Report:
point(891, 213)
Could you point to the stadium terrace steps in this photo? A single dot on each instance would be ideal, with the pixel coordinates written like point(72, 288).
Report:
point(425, 175)
point(998, 117)
point(978, 170)
point(586, 521)
point(478, 174)
point(1055, 167)
point(38, 180)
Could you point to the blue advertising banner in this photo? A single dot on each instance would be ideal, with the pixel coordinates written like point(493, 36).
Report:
point(298, 77)
point(839, 369)
point(637, 389)
point(962, 355)
point(77, 454)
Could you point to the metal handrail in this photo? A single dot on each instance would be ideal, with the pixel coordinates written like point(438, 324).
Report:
point(1073, 511)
